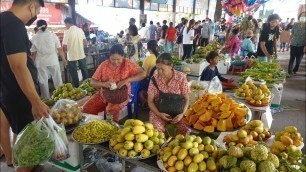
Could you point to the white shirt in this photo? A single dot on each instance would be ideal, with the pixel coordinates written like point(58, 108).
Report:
point(144, 33)
point(187, 36)
point(73, 38)
point(46, 45)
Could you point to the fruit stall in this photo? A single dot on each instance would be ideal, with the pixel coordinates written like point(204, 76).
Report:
point(230, 131)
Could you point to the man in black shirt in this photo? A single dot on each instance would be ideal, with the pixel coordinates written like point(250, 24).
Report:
point(164, 29)
point(18, 97)
point(267, 45)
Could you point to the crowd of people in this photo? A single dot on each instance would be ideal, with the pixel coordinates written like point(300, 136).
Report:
point(25, 64)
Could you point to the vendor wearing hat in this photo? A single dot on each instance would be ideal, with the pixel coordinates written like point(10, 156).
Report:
point(247, 47)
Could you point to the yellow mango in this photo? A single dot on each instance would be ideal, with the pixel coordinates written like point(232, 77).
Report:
point(204, 104)
point(241, 111)
point(214, 122)
point(200, 112)
point(221, 126)
point(225, 107)
point(189, 112)
point(216, 102)
point(225, 115)
point(229, 124)
point(196, 107)
point(209, 129)
point(222, 95)
point(212, 98)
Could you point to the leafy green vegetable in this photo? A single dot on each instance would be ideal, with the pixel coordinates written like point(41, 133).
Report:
point(34, 145)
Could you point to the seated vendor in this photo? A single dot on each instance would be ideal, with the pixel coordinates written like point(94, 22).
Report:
point(167, 80)
point(247, 46)
point(211, 70)
point(118, 71)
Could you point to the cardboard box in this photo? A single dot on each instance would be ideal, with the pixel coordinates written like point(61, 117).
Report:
point(284, 36)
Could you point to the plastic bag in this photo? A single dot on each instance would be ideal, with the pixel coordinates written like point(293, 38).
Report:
point(215, 86)
point(35, 145)
point(104, 166)
point(60, 139)
point(66, 112)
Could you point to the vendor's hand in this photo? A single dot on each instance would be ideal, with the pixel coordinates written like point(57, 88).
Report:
point(107, 84)
point(287, 46)
point(230, 80)
point(40, 110)
point(270, 57)
point(178, 118)
point(165, 117)
point(122, 83)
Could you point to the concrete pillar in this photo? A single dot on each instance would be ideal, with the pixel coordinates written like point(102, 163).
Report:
point(72, 10)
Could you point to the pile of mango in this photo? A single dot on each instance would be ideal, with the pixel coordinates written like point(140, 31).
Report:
point(87, 87)
point(189, 153)
point(137, 140)
point(67, 91)
point(216, 112)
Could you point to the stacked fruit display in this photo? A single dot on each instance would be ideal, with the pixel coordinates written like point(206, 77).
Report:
point(250, 159)
point(261, 96)
point(137, 140)
point(269, 72)
point(66, 112)
point(66, 91)
point(95, 132)
point(249, 135)
point(201, 52)
point(189, 154)
point(245, 90)
point(287, 143)
point(87, 87)
point(216, 111)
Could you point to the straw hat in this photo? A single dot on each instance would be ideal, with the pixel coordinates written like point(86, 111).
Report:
point(249, 33)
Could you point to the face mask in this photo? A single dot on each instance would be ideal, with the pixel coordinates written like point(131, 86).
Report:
point(30, 22)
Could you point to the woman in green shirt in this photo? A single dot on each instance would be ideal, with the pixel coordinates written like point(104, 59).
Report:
point(297, 44)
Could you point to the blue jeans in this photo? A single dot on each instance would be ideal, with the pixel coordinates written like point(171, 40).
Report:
point(170, 46)
point(73, 70)
point(264, 59)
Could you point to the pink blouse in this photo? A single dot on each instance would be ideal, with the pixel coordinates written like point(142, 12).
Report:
point(234, 45)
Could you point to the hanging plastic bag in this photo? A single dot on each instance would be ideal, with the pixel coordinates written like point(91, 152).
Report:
point(35, 145)
point(66, 112)
point(215, 86)
point(61, 142)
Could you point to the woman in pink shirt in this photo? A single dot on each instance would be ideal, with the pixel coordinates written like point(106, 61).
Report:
point(234, 44)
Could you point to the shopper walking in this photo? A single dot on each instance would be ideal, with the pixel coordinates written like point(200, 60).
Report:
point(205, 33)
point(19, 99)
point(164, 29)
point(289, 27)
point(188, 37)
point(180, 27)
point(144, 32)
point(197, 34)
point(297, 45)
point(171, 81)
point(170, 38)
point(211, 30)
point(134, 46)
point(45, 46)
point(267, 46)
point(233, 46)
point(73, 43)
point(158, 32)
point(256, 31)
point(150, 61)
point(152, 30)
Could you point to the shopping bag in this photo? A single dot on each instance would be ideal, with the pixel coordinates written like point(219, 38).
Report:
point(60, 140)
point(215, 86)
point(35, 145)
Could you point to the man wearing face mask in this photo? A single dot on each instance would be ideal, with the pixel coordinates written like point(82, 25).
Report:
point(18, 97)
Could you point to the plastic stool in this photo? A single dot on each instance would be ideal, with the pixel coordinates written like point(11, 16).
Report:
point(237, 69)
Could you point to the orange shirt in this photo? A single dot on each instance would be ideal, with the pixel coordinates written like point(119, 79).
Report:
point(171, 34)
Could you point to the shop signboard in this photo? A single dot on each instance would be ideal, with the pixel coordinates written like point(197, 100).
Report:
point(51, 13)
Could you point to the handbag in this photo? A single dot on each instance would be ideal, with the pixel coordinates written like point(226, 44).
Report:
point(116, 96)
point(169, 103)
